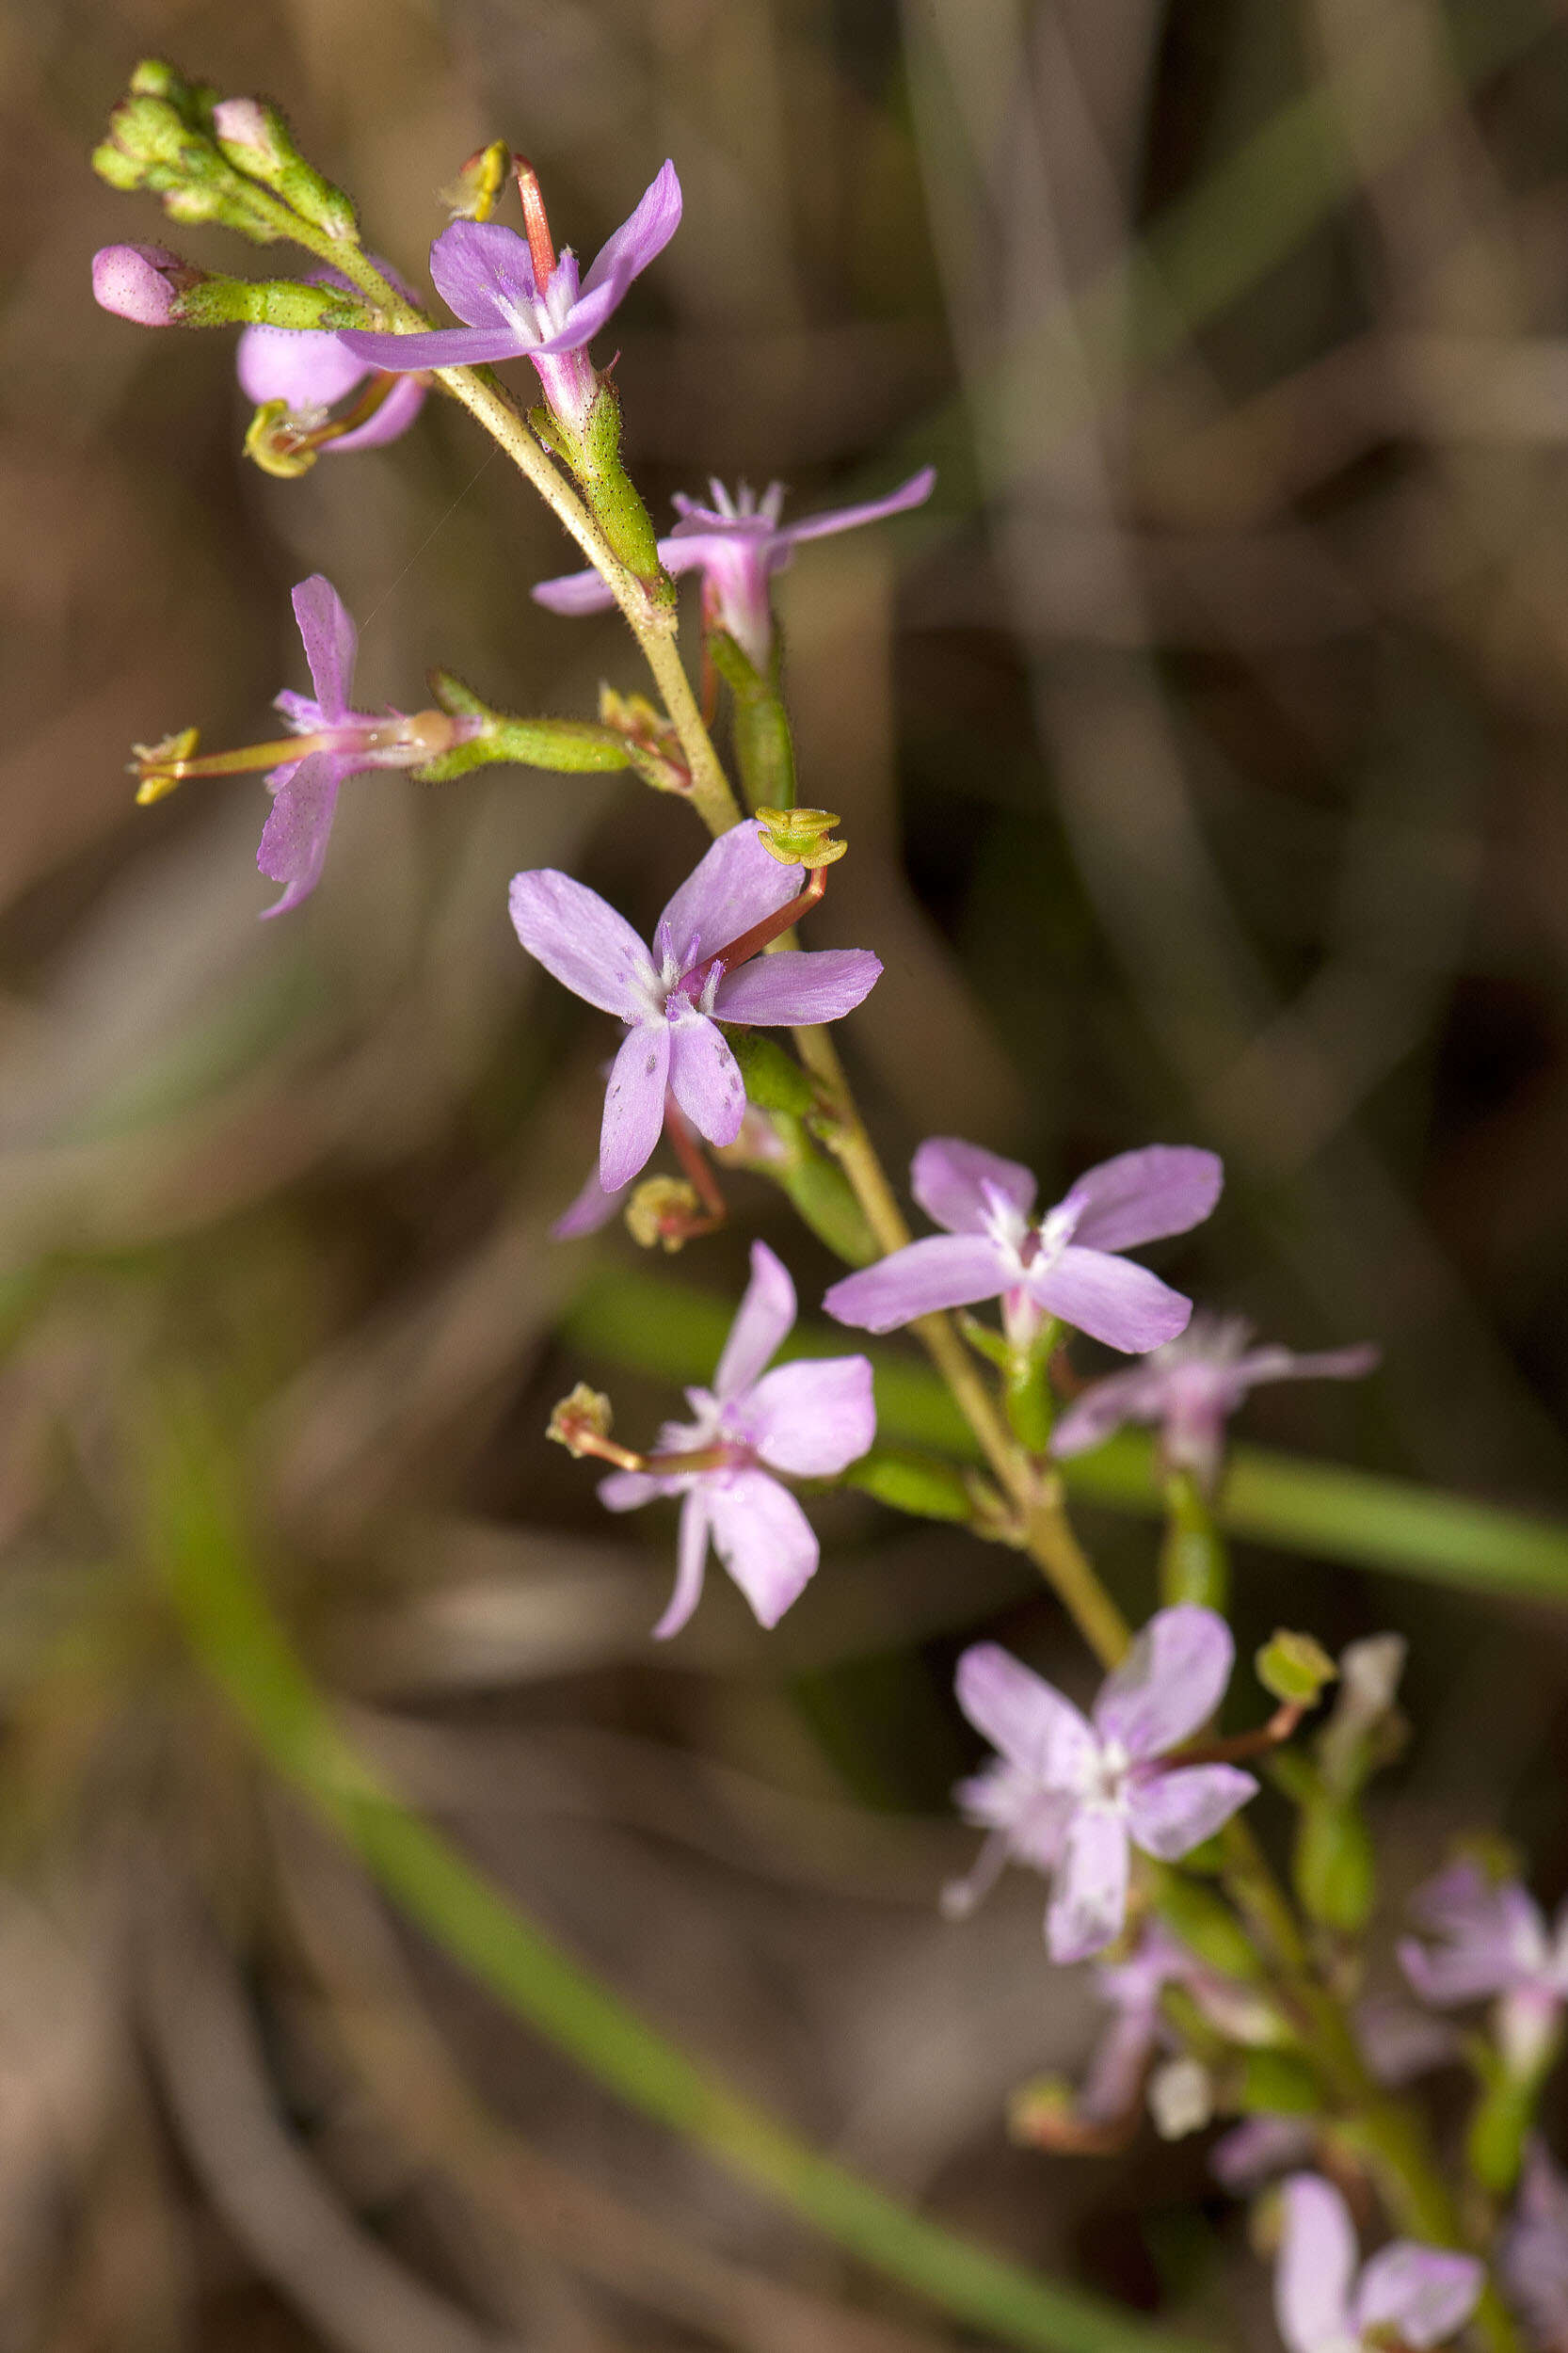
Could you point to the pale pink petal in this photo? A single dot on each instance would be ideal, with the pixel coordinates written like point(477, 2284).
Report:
point(483, 272)
point(1138, 1196)
point(1024, 1717)
point(1170, 1813)
point(574, 592)
point(582, 942)
point(305, 367)
point(812, 1419)
point(443, 348)
point(1317, 2262)
point(1421, 2294)
point(330, 640)
point(948, 1179)
point(1111, 1299)
point(628, 1491)
point(1491, 1937)
point(1170, 1681)
point(633, 1104)
point(640, 238)
point(705, 1078)
point(943, 1271)
point(588, 1212)
point(395, 416)
point(763, 1320)
point(911, 493)
point(735, 884)
point(1263, 2145)
point(299, 827)
point(1283, 1364)
point(1088, 1904)
point(1115, 2076)
point(764, 1540)
point(798, 988)
point(1137, 1395)
point(690, 1562)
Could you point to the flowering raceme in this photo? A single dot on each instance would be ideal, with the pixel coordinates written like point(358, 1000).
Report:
point(1063, 1264)
point(1406, 2295)
point(698, 974)
point(809, 1419)
point(738, 544)
point(518, 300)
point(1070, 1795)
point(1191, 1387)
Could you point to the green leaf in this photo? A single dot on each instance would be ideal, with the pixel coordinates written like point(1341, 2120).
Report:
point(917, 1483)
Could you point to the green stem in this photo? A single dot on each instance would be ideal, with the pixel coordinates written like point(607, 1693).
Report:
point(1194, 1560)
point(196, 1541)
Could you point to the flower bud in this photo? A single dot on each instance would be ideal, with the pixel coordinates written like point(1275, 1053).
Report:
point(142, 282)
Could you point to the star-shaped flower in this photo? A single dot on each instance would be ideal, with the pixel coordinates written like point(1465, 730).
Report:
point(1408, 2294)
point(519, 300)
point(1063, 1264)
point(699, 973)
point(738, 544)
point(1070, 1797)
point(809, 1419)
point(1191, 1387)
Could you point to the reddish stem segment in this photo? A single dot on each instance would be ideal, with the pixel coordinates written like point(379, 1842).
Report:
point(737, 951)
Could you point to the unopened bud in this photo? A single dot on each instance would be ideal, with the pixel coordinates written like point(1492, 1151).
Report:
point(800, 836)
point(472, 194)
point(242, 122)
point(1294, 1668)
point(652, 745)
point(580, 1420)
point(142, 282)
point(662, 1211)
point(256, 139)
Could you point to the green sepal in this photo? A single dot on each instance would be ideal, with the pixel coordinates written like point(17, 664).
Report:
point(1504, 2114)
point(612, 496)
point(1026, 1391)
point(985, 1340)
point(567, 746)
point(1194, 1560)
point(919, 1485)
point(1275, 2083)
point(774, 1082)
point(764, 746)
point(1206, 1923)
point(1334, 1865)
point(266, 302)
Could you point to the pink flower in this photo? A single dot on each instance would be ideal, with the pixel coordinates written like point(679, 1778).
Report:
point(312, 371)
point(1063, 1264)
point(699, 973)
point(1408, 2294)
point(1492, 1938)
point(1533, 2252)
point(809, 1419)
point(1071, 1797)
point(518, 300)
point(1191, 1387)
point(738, 544)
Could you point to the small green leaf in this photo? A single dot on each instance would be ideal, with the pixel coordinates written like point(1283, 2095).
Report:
point(917, 1483)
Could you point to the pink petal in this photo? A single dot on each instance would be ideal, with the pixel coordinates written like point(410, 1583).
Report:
point(574, 592)
point(1317, 2262)
point(1138, 1197)
point(1111, 1299)
point(1422, 2294)
point(764, 1319)
point(304, 367)
point(299, 827)
point(691, 1559)
point(764, 1540)
point(1264, 2145)
point(582, 942)
point(1283, 1364)
point(798, 988)
point(443, 348)
point(483, 273)
point(943, 1271)
point(911, 493)
point(1088, 1905)
point(332, 643)
point(587, 1212)
point(1170, 1681)
point(1137, 1395)
point(705, 1079)
point(641, 238)
point(947, 1177)
point(1024, 1719)
point(633, 1104)
point(628, 1491)
point(1170, 1813)
point(395, 416)
point(812, 1419)
point(733, 886)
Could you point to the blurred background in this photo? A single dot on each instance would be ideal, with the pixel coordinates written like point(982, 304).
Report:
point(1201, 752)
